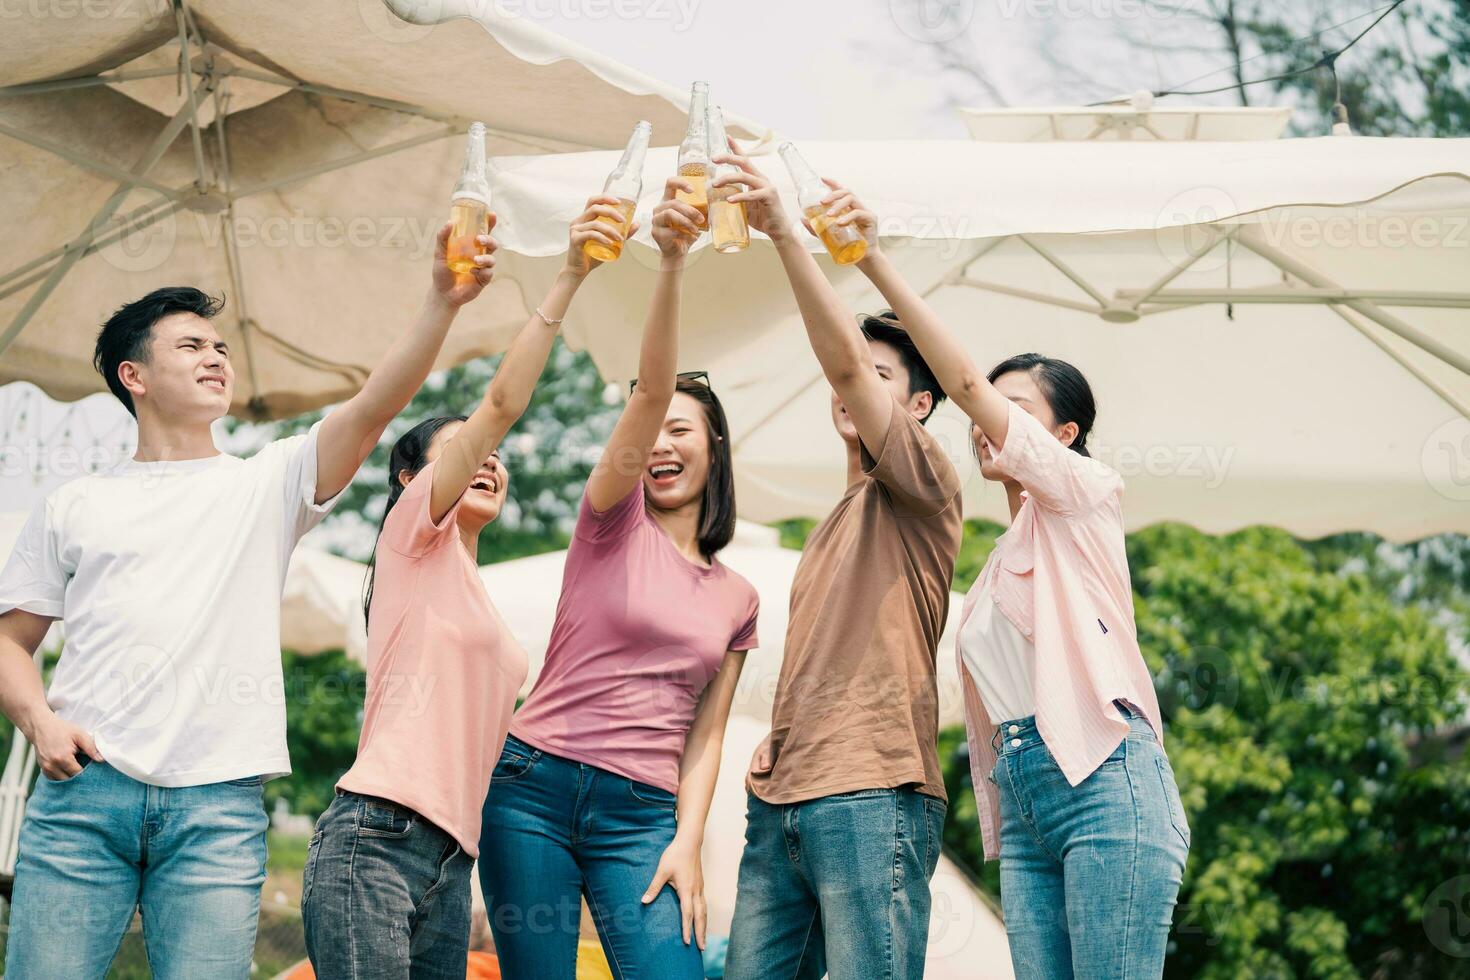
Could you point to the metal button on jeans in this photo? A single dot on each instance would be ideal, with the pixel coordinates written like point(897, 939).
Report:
point(1015, 729)
point(1015, 743)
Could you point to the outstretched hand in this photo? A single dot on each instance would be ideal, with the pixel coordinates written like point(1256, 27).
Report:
point(458, 288)
point(844, 208)
point(763, 209)
point(676, 225)
point(600, 222)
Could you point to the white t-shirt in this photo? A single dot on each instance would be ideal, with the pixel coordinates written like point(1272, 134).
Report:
point(168, 580)
point(1000, 659)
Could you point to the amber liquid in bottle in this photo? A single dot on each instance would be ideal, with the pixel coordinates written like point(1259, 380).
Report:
point(727, 221)
point(845, 244)
point(698, 176)
point(603, 252)
point(467, 219)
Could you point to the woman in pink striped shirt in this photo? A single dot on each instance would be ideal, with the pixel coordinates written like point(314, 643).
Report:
point(1075, 794)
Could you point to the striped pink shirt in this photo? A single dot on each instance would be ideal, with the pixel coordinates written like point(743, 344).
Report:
point(1060, 574)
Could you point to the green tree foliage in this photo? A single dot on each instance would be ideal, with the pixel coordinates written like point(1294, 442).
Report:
point(548, 454)
point(324, 696)
point(1311, 707)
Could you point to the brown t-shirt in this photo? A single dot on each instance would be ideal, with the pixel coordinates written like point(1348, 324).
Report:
point(857, 706)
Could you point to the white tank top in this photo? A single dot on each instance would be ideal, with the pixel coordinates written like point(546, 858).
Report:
point(1000, 659)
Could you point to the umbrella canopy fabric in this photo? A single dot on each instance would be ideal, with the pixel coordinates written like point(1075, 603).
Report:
point(296, 157)
point(1278, 332)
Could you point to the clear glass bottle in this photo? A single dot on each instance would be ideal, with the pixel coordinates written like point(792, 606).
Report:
point(626, 184)
point(727, 224)
point(694, 151)
point(844, 243)
point(469, 205)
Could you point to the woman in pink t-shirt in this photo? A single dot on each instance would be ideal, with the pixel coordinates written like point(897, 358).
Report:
point(607, 776)
point(387, 884)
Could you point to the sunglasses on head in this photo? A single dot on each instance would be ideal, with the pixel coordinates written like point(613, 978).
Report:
point(698, 377)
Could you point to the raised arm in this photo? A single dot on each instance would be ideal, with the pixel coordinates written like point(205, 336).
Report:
point(675, 227)
point(349, 432)
point(23, 698)
point(831, 328)
point(961, 380)
point(509, 392)
point(699, 770)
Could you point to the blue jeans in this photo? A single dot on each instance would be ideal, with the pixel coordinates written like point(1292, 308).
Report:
point(836, 885)
point(385, 894)
point(555, 829)
point(98, 846)
point(1088, 873)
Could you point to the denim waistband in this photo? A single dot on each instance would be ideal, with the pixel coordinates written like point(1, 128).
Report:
point(1020, 734)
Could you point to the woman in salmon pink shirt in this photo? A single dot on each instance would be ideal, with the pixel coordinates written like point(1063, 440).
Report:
point(1075, 793)
point(386, 890)
point(607, 776)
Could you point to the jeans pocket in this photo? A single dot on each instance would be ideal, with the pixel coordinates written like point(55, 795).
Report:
point(652, 795)
point(375, 819)
point(513, 764)
point(934, 811)
point(308, 875)
point(1171, 797)
point(250, 782)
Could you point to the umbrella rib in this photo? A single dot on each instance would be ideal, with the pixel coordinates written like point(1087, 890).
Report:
point(185, 67)
point(1250, 238)
point(1066, 270)
point(536, 141)
point(99, 167)
point(86, 81)
point(1456, 403)
point(135, 220)
point(1216, 237)
point(232, 245)
point(152, 155)
point(338, 164)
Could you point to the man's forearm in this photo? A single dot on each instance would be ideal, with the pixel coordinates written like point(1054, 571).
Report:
point(828, 321)
point(22, 695)
point(402, 371)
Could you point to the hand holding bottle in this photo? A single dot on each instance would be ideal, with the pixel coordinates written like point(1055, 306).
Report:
point(676, 225)
point(458, 288)
point(845, 211)
point(601, 227)
point(763, 209)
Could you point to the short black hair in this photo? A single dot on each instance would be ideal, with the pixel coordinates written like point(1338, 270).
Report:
point(125, 335)
point(885, 326)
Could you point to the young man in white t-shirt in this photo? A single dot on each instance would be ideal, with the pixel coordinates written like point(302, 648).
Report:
point(166, 711)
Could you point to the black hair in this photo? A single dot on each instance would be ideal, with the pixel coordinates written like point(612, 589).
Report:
point(125, 335)
point(717, 509)
point(1063, 386)
point(885, 327)
point(410, 454)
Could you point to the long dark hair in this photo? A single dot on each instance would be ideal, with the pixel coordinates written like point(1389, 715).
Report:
point(717, 509)
point(1063, 386)
point(409, 455)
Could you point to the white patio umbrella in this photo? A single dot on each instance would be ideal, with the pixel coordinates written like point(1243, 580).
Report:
point(296, 157)
point(1278, 331)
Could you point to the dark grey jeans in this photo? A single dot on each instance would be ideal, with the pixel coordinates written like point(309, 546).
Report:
point(385, 894)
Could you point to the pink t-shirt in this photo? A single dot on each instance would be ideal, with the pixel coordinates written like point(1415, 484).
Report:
point(640, 631)
point(443, 672)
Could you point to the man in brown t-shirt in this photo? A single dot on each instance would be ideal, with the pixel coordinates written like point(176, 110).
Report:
point(846, 798)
